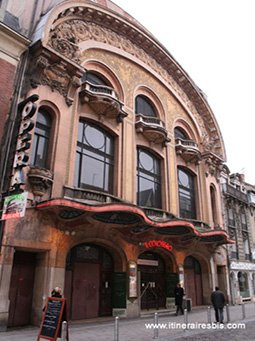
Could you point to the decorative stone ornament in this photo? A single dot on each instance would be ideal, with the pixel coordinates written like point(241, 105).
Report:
point(40, 180)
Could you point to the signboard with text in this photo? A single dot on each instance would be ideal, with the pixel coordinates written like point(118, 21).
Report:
point(55, 312)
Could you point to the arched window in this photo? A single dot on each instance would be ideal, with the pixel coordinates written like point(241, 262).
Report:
point(40, 148)
point(144, 106)
point(148, 179)
point(94, 78)
point(179, 133)
point(94, 158)
point(187, 203)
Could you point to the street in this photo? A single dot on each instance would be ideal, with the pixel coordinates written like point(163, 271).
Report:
point(170, 327)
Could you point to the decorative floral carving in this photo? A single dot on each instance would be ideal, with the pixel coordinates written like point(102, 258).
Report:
point(56, 77)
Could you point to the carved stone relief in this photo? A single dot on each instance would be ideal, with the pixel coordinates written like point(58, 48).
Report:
point(66, 37)
point(75, 25)
point(56, 74)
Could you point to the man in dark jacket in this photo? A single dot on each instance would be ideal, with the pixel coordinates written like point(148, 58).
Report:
point(218, 302)
point(178, 294)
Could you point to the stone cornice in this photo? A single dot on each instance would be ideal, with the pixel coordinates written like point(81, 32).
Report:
point(13, 44)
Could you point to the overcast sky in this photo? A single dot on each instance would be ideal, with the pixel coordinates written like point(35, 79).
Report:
point(214, 42)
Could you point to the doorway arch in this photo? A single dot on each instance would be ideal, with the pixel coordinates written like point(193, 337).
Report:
point(88, 281)
point(152, 280)
point(193, 280)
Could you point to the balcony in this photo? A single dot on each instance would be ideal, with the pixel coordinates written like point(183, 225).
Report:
point(89, 196)
point(235, 193)
point(103, 100)
point(152, 128)
point(188, 150)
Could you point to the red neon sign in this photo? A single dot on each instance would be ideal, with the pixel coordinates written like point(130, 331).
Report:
point(158, 243)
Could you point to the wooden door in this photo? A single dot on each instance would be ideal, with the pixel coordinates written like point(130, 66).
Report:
point(85, 295)
point(193, 287)
point(199, 289)
point(190, 286)
point(21, 289)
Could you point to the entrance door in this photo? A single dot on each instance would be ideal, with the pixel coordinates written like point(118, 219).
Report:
point(21, 289)
point(153, 281)
point(88, 282)
point(193, 280)
point(85, 298)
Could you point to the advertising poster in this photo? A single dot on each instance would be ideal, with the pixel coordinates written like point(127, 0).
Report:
point(132, 279)
point(14, 206)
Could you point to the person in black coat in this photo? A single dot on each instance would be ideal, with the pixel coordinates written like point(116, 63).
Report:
point(178, 294)
point(218, 302)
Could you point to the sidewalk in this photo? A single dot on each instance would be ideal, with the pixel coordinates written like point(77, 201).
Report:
point(135, 329)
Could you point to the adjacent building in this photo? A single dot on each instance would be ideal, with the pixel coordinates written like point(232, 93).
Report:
point(121, 171)
point(238, 210)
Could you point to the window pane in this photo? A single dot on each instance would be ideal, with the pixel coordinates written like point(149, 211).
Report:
point(148, 180)
point(146, 161)
point(144, 106)
point(94, 165)
point(41, 152)
point(41, 139)
point(180, 134)
point(186, 195)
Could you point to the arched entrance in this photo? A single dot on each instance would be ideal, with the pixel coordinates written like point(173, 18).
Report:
point(153, 281)
point(193, 280)
point(88, 282)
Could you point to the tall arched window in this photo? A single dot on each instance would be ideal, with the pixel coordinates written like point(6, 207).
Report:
point(144, 106)
point(187, 202)
point(148, 179)
point(40, 148)
point(94, 158)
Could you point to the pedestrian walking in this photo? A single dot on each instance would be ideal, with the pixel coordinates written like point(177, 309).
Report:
point(178, 294)
point(218, 302)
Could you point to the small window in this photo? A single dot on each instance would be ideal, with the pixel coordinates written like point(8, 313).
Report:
point(148, 179)
point(40, 148)
point(144, 106)
point(94, 78)
point(180, 134)
point(243, 220)
point(231, 217)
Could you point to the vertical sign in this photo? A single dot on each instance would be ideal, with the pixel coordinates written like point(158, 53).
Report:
point(27, 109)
point(132, 279)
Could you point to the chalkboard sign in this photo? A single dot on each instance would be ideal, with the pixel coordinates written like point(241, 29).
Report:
point(54, 314)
